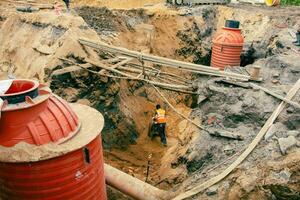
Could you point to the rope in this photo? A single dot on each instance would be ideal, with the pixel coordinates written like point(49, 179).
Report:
point(173, 108)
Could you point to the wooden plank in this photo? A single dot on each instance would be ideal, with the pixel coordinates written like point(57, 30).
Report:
point(245, 154)
point(224, 133)
point(201, 69)
point(152, 69)
point(117, 65)
point(171, 87)
point(296, 105)
point(239, 84)
point(112, 60)
point(157, 59)
point(101, 65)
point(65, 70)
point(69, 69)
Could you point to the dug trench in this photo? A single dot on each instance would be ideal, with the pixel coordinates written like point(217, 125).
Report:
point(128, 106)
point(192, 155)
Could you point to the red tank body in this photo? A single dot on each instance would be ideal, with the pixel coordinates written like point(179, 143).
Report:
point(227, 47)
point(60, 157)
point(76, 175)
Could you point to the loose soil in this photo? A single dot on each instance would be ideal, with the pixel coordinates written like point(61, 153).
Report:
point(33, 43)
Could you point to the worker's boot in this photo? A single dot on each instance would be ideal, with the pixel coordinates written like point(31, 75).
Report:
point(297, 43)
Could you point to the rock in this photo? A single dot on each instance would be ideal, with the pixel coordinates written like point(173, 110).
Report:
point(275, 81)
point(201, 98)
point(211, 119)
point(290, 109)
point(226, 185)
point(270, 132)
point(293, 133)
point(292, 121)
point(228, 149)
point(84, 102)
point(285, 175)
point(276, 75)
point(70, 94)
point(282, 177)
point(184, 12)
point(286, 143)
point(97, 93)
point(211, 191)
point(102, 98)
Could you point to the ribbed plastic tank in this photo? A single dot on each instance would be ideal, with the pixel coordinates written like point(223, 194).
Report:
point(68, 170)
point(32, 114)
point(227, 46)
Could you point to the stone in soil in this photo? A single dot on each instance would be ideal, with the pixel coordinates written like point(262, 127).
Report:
point(287, 143)
point(212, 191)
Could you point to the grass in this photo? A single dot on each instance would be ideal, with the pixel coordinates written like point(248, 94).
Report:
point(290, 2)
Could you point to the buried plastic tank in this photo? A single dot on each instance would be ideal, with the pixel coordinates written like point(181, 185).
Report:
point(48, 149)
point(227, 46)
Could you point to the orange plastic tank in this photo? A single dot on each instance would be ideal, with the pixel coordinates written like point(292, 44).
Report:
point(32, 114)
point(68, 170)
point(227, 46)
point(76, 175)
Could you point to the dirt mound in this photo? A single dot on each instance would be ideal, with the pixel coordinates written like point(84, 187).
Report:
point(115, 4)
point(100, 20)
point(44, 37)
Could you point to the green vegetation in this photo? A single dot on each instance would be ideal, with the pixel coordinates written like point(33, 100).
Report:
point(290, 2)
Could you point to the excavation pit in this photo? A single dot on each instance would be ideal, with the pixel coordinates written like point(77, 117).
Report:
point(128, 106)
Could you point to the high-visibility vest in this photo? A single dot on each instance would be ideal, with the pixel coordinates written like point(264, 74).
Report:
point(161, 116)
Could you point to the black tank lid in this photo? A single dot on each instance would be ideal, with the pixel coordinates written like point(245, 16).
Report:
point(232, 24)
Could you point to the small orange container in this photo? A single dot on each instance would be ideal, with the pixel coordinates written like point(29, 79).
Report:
point(227, 46)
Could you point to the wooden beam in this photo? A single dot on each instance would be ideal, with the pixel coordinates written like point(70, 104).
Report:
point(103, 66)
point(245, 154)
point(226, 134)
point(65, 70)
point(164, 73)
point(69, 69)
point(296, 105)
point(117, 65)
point(201, 69)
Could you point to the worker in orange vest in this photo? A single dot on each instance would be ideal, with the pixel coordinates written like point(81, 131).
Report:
point(67, 2)
point(160, 121)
